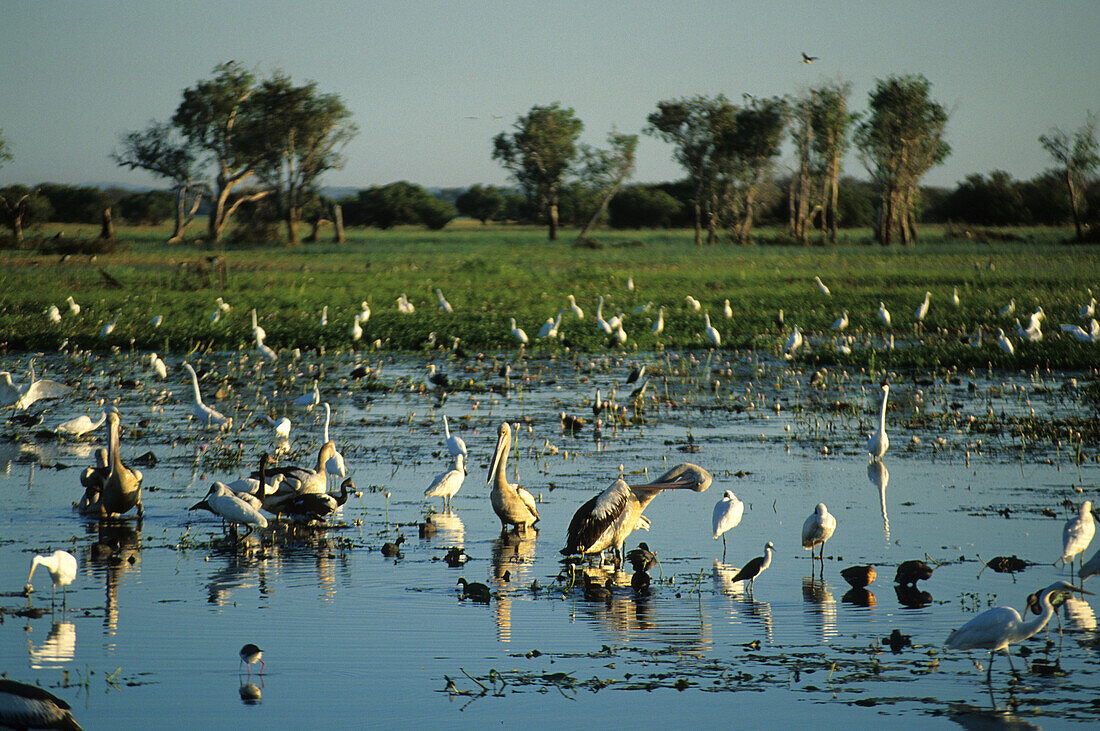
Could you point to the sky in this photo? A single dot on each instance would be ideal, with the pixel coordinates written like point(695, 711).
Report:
point(78, 75)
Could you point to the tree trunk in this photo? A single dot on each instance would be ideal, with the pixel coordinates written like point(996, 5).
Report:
point(338, 224)
point(698, 213)
point(832, 196)
point(17, 228)
point(599, 212)
point(1073, 204)
point(107, 226)
point(293, 219)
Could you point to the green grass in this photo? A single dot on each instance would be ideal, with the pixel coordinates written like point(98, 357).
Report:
point(493, 273)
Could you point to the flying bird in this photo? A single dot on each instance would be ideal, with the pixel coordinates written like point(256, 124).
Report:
point(808, 59)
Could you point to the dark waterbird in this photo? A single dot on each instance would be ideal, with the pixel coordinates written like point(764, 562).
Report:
point(640, 582)
point(859, 576)
point(317, 506)
point(641, 558)
point(756, 566)
point(392, 550)
point(474, 590)
point(455, 557)
point(28, 706)
point(597, 592)
point(912, 571)
point(250, 655)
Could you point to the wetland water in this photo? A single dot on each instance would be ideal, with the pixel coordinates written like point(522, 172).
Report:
point(151, 631)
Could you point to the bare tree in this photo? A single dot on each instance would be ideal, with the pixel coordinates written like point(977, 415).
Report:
point(1076, 157)
point(606, 170)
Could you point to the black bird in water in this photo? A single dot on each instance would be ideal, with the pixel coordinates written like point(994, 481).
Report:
point(640, 582)
point(391, 550)
point(641, 558)
point(756, 566)
point(910, 572)
point(474, 590)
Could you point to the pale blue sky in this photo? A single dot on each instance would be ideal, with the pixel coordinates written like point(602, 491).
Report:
point(78, 74)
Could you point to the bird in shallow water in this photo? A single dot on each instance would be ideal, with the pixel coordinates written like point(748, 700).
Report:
point(62, 568)
point(1077, 534)
point(608, 519)
point(317, 506)
point(28, 706)
point(250, 655)
point(474, 590)
point(817, 529)
point(227, 505)
point(755, 566)
point(641, 558)
point(446, 484)
point(995, 629)
point(912, 571)
point(122, 487)
point(513, 504)
point(859, 576)
point(878, 441)
point(727, 514)
point(393, 549)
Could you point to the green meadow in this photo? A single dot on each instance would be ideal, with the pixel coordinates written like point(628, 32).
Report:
point(490, 274)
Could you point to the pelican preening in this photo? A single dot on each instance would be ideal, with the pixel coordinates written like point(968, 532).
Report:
point(62, 568)
point(513, 504)
point(727, 514)
point(995, 629)
point(28, 706)
point(202, 413)
point(817, 529)
point(877, 441)
point(608, 519)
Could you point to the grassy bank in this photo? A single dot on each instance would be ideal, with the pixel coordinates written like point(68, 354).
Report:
point(492, 274)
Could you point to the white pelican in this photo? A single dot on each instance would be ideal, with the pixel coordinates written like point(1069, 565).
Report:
point(1004, 342)
point(518, 333)
point(225, 503)
point(576, 308)
point(922, 308)
point(158, 365)
point(455, 445)
point(28, 706)
point(309, 399)
point(73, 306)
point(821, 287)
point(444, 305)
point(80, 426)
point(1077, 533)
point(364, 314)
point(513, 504)
point(727, 514)
point(884, 314)
point(109, 327)
point(841, 323)
point(257, 332)
point(727, 310)
point(62, 568)
point(693, 303)
point(250, 655)
point(997, 628)
point(21, 397)
point(446, 484)
point(608, 519)
point(712, 332)
point(817, 529)
point(335, 465)
point(955, 296)
point(1010, 309)
point(53, 314)
point(755, 567)
point(122, 488)
point(659, 326)
point(202, 413)
point(877, 441)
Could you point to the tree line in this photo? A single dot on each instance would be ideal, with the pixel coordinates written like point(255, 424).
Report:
point(253, 150)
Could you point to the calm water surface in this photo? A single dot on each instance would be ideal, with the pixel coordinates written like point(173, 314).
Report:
point(150, 634)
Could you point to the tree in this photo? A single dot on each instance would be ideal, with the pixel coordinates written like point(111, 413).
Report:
point(159, 150)
point(822, 138)
point(5, 150)
point(1077, 158)
point(604, 171)
point(19, 207)
point(643, 206)
point(992, 201)
point(483, 202)
point(747, 143)
point(400, 203)
point(538, 154)
point(294, 134)
point(150, 208)
point(901, 139)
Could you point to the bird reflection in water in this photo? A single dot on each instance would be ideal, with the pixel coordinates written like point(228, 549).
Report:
point(880, 478)
point(860, 597)
point(744, 607)
point(116, 551)
point(819, 602)
point(511, 557)
point(912, 597)
point(58, 648)
point(252, 694)
point(447, 528)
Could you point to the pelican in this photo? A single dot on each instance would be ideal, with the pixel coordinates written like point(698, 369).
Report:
point(446, 484)
point(755, 567)
point(727, 514)
point(712, 332)
point(28, 706)
point(518, 333)
point(122, 488)
point(922, 309)
point(576, 308)
point(841, 323)
point(1004, 342)
point(53, 314)
point(513, 504)
point(877, 441)
point(62, 568)
point(21, 397)
point(310, 398)
point(817, 529)
point(109, 327)
point(455, 445)
point(202, 413)
point(73, 306)
point(225, 503)
point(955, 296)
point(821, 287)
point(1077, 533)
point(158, 365)
point(693, 303)
point(608, 519)
point(659, 326)
point(444, 305)
point(884, 314)
point(302, 480)
point(995, 629)
point(257, 332)
point(1009, 309)
point(80, 426)
point(335, 465)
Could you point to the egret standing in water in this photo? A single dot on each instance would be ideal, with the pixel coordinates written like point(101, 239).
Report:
point(446, 484)
point(62, 568)
point(997, 628)
point(877, 441)
point(712, 332)
point(455, 445)
point(202, 413)
point(727, 514)
point(1077, 534)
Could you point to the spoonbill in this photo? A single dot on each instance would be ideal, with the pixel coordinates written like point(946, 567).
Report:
point(817, 529)
point(122, 488)
point(712, 332)
point(446, 484)
point(755, 566)
point(608, 519)
point(202, 413)
point(877, 441)
point(62, 568)
point(513, 504)
point(995, 629)
point(250, 655)
point(727, 514)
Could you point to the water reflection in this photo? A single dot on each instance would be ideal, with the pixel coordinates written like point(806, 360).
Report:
point(251, 694)
point(512, 556)
point(880, 478)
point(117, 550)
point(744, 607)
point(861, 597)
point(1078, 614)
point(243, 558)
point(819, 603)
point(449, 528)
point(912, 597)
point(58, 648)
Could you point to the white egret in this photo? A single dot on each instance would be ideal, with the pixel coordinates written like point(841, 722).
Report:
point(265, 352)
point(324, 316)
point(659, 326)
point(53, 314)
point(446, 484)
point(841, 323)
point(884, 314)
point(755, 567)
point(62, 568)
point(158, 365)
point(821, 287)
point(257, 332)
point(364, 314)
point(576, 308)
point(727, 310)
point(518, 333)
point(1032, 333)
point(877, 441)
point(282, 426)
point(1010, 309)
point(513, 504)
point(335, 465)
point(922, 308)
point(21, 397)
point(727, 514)
point(630, 283)
point(309, 399)
point(1004, 342)
point(1088, 310)
point(109, 327)
point(80, 426)
point(600, 322)
point(712, 332)
point(455, 445)
point(356, 330)
point(693, 303)
point(205, 415)
point(444, 305)
point(73, 306)
point(995, 629)
point(1077, 533)
point(817, 529)
point(794, 341)
point(549, 328)
point(955, 296)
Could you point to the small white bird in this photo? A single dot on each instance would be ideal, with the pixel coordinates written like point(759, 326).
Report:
point(1088, 310)
point(158, 365)
point(576, 308)
point(549, 328)
point(257, 331)
point(821, 287)
point(955, 296)
point(282, 426)
point(877, 441)
point(73, 306)
point(518, 333)
point(444, 305)
point(630, 283)
point(1010, 309)
point(156, 320)
point(21, 397)
point(727, 514)
point(62, 568)
point(324, 316)
point(884, 314)
point(693, 303)
point(712, 332)
point(364, 314)
point(817, 529)
point(446, 484)
point(309, 399)
point(1004, 342)
point(841, 323)
point(202, 413)
point(53, 314)
point(794, 341)
point(1077, 533)
point(727, 310)
point(335, 465)
point(109, 327)
point(265, 352)
point(455, 445)
point(80, 426)
point(356, 330)
point(922, 308)
point(659, 326)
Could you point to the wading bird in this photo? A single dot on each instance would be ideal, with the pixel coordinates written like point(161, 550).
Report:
point(727, 310)
point(693, 303)
point(21, 397)
point(877, 441)
point(80, 426)
point(859, 576)
point(821, 287)
point(109, 327)
point(549, 328)
point(755, 567)
point(727, 514)
point(1077, 534)
point(202, 413)
point(955, 296)
point(250, 655)
point(28, 706)
point(444, 305)
point(1004, 342)
point(455, 445)
point(576, 308)
point(226, 504)
point(817, 529)
point(518, 333)
point(841, 323)
point(53, 314)
point(282, 426)
point(884, 314)
point(257, 332)
point(922, 308)
point(335, 465)
point(446, 484)
point(62, 568)
point(712, 332)
point(608, 519)
point(659, 326)
point(122, 488)
point(309, 399)
point(158, 365)
point(73, 306)
point(995, 629)
point(1010, 309)
point(513, 504)
point(315, 507)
